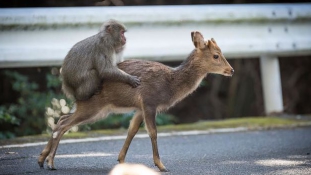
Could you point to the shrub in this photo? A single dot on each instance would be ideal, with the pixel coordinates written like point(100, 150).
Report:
point(27, 115)
point(123, 121)
point(36, 112)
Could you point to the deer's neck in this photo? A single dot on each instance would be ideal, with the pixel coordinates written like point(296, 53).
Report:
point(188, 76)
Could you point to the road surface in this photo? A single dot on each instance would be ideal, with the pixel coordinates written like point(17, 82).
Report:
point(283, 151)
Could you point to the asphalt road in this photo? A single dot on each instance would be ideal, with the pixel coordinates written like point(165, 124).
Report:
point(284, 151)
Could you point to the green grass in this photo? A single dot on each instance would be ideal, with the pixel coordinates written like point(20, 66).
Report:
point(251, 123)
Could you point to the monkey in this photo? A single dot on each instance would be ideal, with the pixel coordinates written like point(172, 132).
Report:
point(93, 60)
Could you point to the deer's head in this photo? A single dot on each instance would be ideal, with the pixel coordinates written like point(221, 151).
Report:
point(210, 55)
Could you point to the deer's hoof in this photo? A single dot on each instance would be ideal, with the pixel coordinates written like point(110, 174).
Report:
point(164, 169)
point(120, 161)
point(51, 167)
point(40, 165)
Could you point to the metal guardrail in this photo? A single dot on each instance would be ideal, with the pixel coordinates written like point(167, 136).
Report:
point(43, 36)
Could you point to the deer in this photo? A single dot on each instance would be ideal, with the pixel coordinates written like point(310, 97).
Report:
point(161, 88)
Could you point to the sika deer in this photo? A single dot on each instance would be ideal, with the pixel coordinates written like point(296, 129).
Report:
point(161, 87)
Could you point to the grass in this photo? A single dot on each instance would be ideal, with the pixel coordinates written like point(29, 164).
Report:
point(251, 123)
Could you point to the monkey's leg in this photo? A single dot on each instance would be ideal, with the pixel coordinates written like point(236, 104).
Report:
point(133, 128)
point(88, 87)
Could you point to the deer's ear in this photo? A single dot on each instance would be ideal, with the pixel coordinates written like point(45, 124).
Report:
point(211, 44)
point(197, 39)
point(213, 40)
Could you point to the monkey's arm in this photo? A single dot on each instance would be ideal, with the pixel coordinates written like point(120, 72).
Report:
point(115, 74)
point(110, 72)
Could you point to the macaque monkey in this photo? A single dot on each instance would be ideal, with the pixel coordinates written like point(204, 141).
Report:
point(93, 60)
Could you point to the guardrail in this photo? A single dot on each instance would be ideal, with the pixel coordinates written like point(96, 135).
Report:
point(43, 36)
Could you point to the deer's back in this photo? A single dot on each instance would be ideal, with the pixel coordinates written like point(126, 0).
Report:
point(154, 90)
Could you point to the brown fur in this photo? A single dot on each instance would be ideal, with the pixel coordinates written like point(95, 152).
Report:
point(161, 87)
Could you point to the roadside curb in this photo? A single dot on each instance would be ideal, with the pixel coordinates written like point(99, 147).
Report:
point(121, 137)
point(160, 134)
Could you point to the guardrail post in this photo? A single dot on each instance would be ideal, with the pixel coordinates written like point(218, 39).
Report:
point(271, 80)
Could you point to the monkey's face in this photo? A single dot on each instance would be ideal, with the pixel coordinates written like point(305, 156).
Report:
point(122, 37)
point(115, 30)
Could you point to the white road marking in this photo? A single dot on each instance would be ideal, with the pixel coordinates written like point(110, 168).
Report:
point(83, 155)
point(122, 137)
point(280, 162)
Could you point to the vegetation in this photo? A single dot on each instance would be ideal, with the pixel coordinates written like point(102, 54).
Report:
point(26, 116)
point(37, 112)
point(248, 122)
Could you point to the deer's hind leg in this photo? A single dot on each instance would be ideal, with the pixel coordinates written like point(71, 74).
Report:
point(47, 148)
point(82, 115)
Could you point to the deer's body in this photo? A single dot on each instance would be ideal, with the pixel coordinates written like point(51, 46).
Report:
point(161, 87)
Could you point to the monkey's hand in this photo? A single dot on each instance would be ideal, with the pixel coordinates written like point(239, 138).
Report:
point(134, 81)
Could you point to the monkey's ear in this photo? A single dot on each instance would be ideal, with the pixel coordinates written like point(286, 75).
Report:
point(197, 39)
point(108, 28)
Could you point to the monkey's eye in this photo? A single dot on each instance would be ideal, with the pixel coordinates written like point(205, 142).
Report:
point(122, 33)
point(216, 56)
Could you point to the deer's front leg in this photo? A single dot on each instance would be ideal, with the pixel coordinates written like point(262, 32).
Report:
point(133, 128)
point(149, 116)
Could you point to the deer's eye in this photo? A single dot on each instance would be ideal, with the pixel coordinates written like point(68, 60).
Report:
point(216, 56)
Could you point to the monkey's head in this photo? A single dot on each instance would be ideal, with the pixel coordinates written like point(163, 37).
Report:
point(115, 31)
